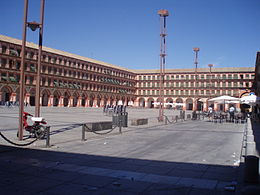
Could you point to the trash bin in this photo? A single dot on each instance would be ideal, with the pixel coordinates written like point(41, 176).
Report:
point(124, 119)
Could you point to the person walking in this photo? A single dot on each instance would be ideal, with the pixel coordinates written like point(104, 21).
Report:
point(232, 113)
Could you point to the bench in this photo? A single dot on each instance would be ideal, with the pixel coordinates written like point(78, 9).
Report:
point(140, 121)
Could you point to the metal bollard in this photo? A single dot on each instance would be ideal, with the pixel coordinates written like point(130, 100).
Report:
point(47, 136)
point(120, 123)
point(83, 133)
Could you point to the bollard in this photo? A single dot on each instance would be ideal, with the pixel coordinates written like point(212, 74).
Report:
point(47, 136)
point(83, 133)
point(120, 123)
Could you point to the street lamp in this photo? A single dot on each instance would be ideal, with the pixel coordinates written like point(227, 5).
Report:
point(163, 14)
point(210, 78)
point(33, 26)
point(196, 50)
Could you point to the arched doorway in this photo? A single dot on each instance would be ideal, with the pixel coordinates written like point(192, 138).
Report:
point(142, 102)
point(83, 100)
point(75, 99)
point(66, 99)
point(189, 104)
point(45, 98)
point(91, 100)
point(169, 100)
point(98, 100)
point(150, 103)
point(179, 100)
point(32, 98)
point(6, 95)
point(56, 97)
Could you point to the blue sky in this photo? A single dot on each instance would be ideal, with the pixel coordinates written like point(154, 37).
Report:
point(126, 32)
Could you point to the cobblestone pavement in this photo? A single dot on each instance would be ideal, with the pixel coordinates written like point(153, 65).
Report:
point(187, 157)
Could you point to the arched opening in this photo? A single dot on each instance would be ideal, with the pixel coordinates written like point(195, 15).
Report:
point(83, 100)
point(142, 102)
point(169, 102)
point(75, 100)
point(200, 105)
point(98, 101)
point(45, 98)
point(91, 100)
point(32, 98)
point(6, 95)
point(179, 107)
point(105, 100)
point(150, 103)
point(189, 104)
point(66, 99)
point(56, 97)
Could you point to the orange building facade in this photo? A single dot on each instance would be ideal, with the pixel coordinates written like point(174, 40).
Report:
point(180, 86)
point(69, 80)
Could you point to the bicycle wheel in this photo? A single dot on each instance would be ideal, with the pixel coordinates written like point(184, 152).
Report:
point(40, 132)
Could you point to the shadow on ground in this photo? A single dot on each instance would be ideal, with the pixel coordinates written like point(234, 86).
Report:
point(31, 171)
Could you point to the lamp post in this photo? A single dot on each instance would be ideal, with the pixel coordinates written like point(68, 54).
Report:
point(210, 78)
point(196, 50)
point(163, 14)
point(33, 26)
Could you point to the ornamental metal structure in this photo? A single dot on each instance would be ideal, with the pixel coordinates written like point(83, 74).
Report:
point(163, 14)
point(196, 50)
point(33, 26)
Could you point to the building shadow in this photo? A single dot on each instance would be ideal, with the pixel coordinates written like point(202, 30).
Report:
point(25, 170)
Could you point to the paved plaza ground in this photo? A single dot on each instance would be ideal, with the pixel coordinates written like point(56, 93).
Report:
point(187, 157)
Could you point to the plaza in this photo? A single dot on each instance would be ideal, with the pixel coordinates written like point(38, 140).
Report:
point(186, 157)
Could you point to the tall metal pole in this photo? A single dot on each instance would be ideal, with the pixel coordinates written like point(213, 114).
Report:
point(210, 79)
point(22, 78)
point(196, 50)
point(163, 14)
point(38, 77)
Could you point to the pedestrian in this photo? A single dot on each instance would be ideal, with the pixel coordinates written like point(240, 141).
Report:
point(210, 113)
point(232, 113)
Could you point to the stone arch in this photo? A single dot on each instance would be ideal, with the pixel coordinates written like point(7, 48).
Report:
point(141, 102)
point(6, 94)
point(98, 100)
point(45, 97)
point(75, 99)
point(111, 100)
point(179, 100)
point(189, 104)
point(91, 100)
point(117, 99)
point(83, 99)
point(105, 99)
point(32, 93)
point(150, 102)
point(169, 100)
point(66, 98)
point(56, 97)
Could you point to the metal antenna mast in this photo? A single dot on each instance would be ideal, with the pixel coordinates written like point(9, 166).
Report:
point(196, 50)
point(163, 14)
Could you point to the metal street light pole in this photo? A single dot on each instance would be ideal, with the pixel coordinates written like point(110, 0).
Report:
point(196, 50)
point(38, 77)
point(22, 78)
point(163, 14)
point(210, 79)
point(33, 26)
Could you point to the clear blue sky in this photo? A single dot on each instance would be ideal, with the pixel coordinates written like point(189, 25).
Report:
point(126, 32)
